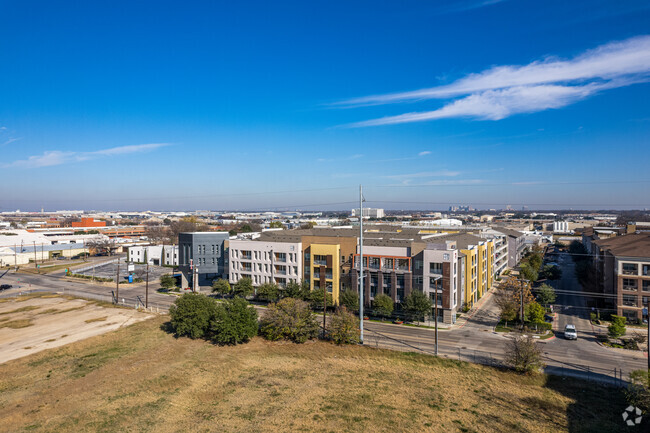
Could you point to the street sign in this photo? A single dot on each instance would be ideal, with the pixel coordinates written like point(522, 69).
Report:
point(130, 267)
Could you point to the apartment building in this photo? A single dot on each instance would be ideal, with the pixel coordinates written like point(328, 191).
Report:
point(516, 245)
point(202, 254)
point(265, 262)
point(623, 271)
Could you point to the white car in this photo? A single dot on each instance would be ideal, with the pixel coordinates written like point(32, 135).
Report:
point(570, 332)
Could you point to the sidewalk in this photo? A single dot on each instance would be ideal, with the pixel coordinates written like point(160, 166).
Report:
point(475, 309)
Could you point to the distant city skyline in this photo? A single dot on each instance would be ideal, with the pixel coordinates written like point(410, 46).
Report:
point(292, 105)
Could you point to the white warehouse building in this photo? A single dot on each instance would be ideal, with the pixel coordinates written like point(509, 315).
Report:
point(156, 255)
point(369, 212)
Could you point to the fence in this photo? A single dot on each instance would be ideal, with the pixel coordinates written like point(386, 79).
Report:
point(137, 302)
point(606, 376)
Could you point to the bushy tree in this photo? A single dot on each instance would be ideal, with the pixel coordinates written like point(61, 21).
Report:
point(276, 225)
point(289, 319)
point(167, 281)
point(523, 354)
point(551, 272)
point(534, 313)
point(243, 287)
point(350, 299)
point(268, 292)
point(417, 305)
point(546, 294)
point(315, 298)
point(233, 322)
point(221, 286)
point(528, 272)
point(343, 327)
point(383, 305)
point(616, 329)
point(191, 314)
point(297, 290)
point(638, 392)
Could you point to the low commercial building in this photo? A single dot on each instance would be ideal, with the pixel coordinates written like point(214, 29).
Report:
point(155, 255)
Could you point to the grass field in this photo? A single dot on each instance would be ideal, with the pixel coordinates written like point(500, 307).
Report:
point(141, 378)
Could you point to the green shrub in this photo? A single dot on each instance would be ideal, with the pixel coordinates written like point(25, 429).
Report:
point(233, 322)
point(617, 328)
point(167, 281)
point(316, 299)
point(350, 300)
point(243, 288)
point(383, 305)
point(289, 319)
point(268, 292)
point(343, 327)
point(191, 315)
point(221, 287)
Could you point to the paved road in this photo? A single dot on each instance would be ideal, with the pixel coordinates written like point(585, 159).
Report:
point(474, 341)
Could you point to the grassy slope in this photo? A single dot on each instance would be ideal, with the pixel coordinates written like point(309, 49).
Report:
point(142, 379)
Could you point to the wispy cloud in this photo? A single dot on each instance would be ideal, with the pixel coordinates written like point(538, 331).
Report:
point(502, 91)
point(57, 157)
point(426, 152)
point(347, 158)
point(11, 140)
point(407, 178)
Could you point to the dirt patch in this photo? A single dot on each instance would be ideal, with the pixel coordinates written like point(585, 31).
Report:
point(29, 324)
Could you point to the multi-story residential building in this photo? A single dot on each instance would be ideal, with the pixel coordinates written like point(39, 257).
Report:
point(156, 255)
point(265, 262)
point(202, 254)
point(623, 270)
point(516, 245)
point(440, 274)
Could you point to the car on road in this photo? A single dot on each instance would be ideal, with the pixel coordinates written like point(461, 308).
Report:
point(548, 318)
point(570, 332)
point(6, 287)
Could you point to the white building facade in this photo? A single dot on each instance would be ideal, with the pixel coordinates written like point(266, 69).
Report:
point(265, 262)
point(155, 255)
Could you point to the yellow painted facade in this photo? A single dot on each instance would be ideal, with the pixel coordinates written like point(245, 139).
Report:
point(471, 277)
point(318, 254)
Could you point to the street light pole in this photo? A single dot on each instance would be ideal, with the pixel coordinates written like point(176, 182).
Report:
point(435, 296)
point(146, 290)
point(361, 288)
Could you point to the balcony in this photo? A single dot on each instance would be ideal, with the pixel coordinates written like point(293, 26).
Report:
point(320, 262)
point(246, 255)
point(281, 258)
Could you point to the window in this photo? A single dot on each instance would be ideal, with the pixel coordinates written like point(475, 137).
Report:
point(629, 284)
point(629, 300)
point(445, 256)
point(630, 315)
point(320, 260)
point(435, 268)
point(646, 270)
point(281, 257)
point(646, 285)
point(630, 269)
point(374, 262)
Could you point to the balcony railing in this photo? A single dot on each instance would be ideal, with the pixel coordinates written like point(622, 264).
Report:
point(320, 262)
point(281, 259)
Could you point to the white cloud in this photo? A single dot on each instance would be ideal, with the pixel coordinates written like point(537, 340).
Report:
point(501, 91)
point(56, 157)
point(426, 152)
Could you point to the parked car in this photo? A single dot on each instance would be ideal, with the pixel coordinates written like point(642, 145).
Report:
point(570, 332)
point(548, 318)
point(6, 287)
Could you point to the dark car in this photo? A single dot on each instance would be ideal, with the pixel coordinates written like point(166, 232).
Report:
point(548, 318)
point(6, 287)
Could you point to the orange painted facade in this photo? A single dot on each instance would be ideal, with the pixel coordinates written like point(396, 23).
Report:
point(88, 223)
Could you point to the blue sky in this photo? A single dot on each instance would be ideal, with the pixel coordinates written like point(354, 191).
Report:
point(283, 105)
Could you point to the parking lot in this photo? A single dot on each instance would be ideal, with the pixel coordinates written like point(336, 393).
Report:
point(109, 270)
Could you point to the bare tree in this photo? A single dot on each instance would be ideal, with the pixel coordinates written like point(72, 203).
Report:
point(101, 246)
point(523, 354)
point(157, 234)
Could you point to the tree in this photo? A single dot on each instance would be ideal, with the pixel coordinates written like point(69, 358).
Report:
point(638, 392)
point(507, 306)
point(221, 286)
point(102, 246)
point(187, 224)
point(233, 322)
point(246, 228)
point(243, 287)
point(293, 290)
point(343, 327)
point(546, 295)
point(528, 272)
point(191, 314)
point(551, 272)
point(315, 298)
point(289, 319)
point(616, 329)
point(523, 354)
point(417, 305)
point(268, 292)
point(534, 313)
point(308, 225)
point(276, 225)
point(167, 281)
point(350, 299)
point(383, 305)
point(157, 234)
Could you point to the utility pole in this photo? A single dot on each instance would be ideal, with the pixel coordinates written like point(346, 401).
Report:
point(146, 292)
point(15, 258)
point(324, 308)
point(35, 261)
point(117, 284)
point(435, 296)
point(521, 299)
point(361, 288)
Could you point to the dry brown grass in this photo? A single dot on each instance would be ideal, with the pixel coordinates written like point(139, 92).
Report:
point(142, 379)
point(97, 319)
point(16, 324)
